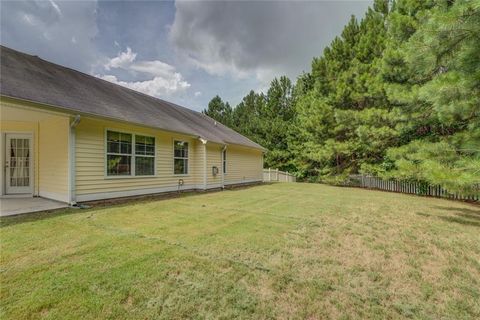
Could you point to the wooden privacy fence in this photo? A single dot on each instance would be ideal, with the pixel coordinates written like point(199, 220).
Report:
point(418, 188)
point(277, 175)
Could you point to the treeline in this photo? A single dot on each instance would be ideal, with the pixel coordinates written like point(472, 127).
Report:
point(396, 95)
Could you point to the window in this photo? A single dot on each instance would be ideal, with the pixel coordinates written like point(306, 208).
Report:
point(119, 154)
point(224, 156)
point(124, 160)
point(180, 157)
point(144, 156)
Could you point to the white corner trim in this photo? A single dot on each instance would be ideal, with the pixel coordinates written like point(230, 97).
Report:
point(224, 165)
point(72, 159)
point(204, 142)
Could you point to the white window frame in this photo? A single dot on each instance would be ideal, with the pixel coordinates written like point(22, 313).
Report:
point(184, 158)
point(133, 155)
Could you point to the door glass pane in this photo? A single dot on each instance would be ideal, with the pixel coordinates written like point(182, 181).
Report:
point(19, 162)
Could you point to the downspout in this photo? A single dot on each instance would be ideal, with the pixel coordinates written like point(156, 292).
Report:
point(72, 157)
point(204, 142)
point(223, 161)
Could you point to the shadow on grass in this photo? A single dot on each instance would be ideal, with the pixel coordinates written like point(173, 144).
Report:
point(461, 220)
point(464, 216)
point(473, 212)
point(108, 203)
point(35, 216)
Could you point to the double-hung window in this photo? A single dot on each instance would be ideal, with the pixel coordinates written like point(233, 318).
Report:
point(180, 157)
point(224, 159)
point(130, 155)
point(144, 156)
point(119, 154)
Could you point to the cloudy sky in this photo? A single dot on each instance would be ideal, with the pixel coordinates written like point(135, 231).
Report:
point(182, 51)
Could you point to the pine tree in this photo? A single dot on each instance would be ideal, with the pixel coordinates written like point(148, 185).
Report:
point(443, 62)
point(219, 110)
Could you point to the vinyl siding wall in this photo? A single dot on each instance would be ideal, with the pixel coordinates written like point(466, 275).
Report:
point(91, 180)
point(50, 132)
point(243, 165)
point(214, 159)
point(53, 158)
point(198, 164)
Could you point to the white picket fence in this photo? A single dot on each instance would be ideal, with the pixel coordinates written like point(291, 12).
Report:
point(408, 187)
point(277, 175)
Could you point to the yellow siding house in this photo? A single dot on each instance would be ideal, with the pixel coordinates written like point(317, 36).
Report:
point(71, 137)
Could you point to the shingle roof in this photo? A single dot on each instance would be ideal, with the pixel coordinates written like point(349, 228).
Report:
point(28, 77)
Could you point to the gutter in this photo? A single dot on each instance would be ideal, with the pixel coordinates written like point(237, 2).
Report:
point(223, 161)
point(72, 159)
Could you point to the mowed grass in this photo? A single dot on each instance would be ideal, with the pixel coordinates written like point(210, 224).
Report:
point(284, 251)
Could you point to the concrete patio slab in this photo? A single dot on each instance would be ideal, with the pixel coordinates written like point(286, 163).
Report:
point(13, 206)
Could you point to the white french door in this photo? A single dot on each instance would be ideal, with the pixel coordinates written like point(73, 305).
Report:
point(18, 163)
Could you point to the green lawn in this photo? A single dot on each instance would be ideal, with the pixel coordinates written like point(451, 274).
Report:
point(274, 251)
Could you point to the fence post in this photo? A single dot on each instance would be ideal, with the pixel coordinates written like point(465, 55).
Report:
point(269, 174)
point(277, 175)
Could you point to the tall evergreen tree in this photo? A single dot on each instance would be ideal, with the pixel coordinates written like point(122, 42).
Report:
point(345, 121)
point(219, 110)
point(442, 112)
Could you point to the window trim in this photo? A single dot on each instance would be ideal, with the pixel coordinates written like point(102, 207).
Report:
point(133, 155)
point(173, 158)
point(154, 156)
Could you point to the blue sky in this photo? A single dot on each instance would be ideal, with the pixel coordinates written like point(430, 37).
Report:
point(183, 51)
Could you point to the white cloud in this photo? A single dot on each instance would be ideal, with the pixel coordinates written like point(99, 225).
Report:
point(155, 67)
point(197, 94)
point(56, 7)
point(123, 60)
point(158, 86)
point(165, 82)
